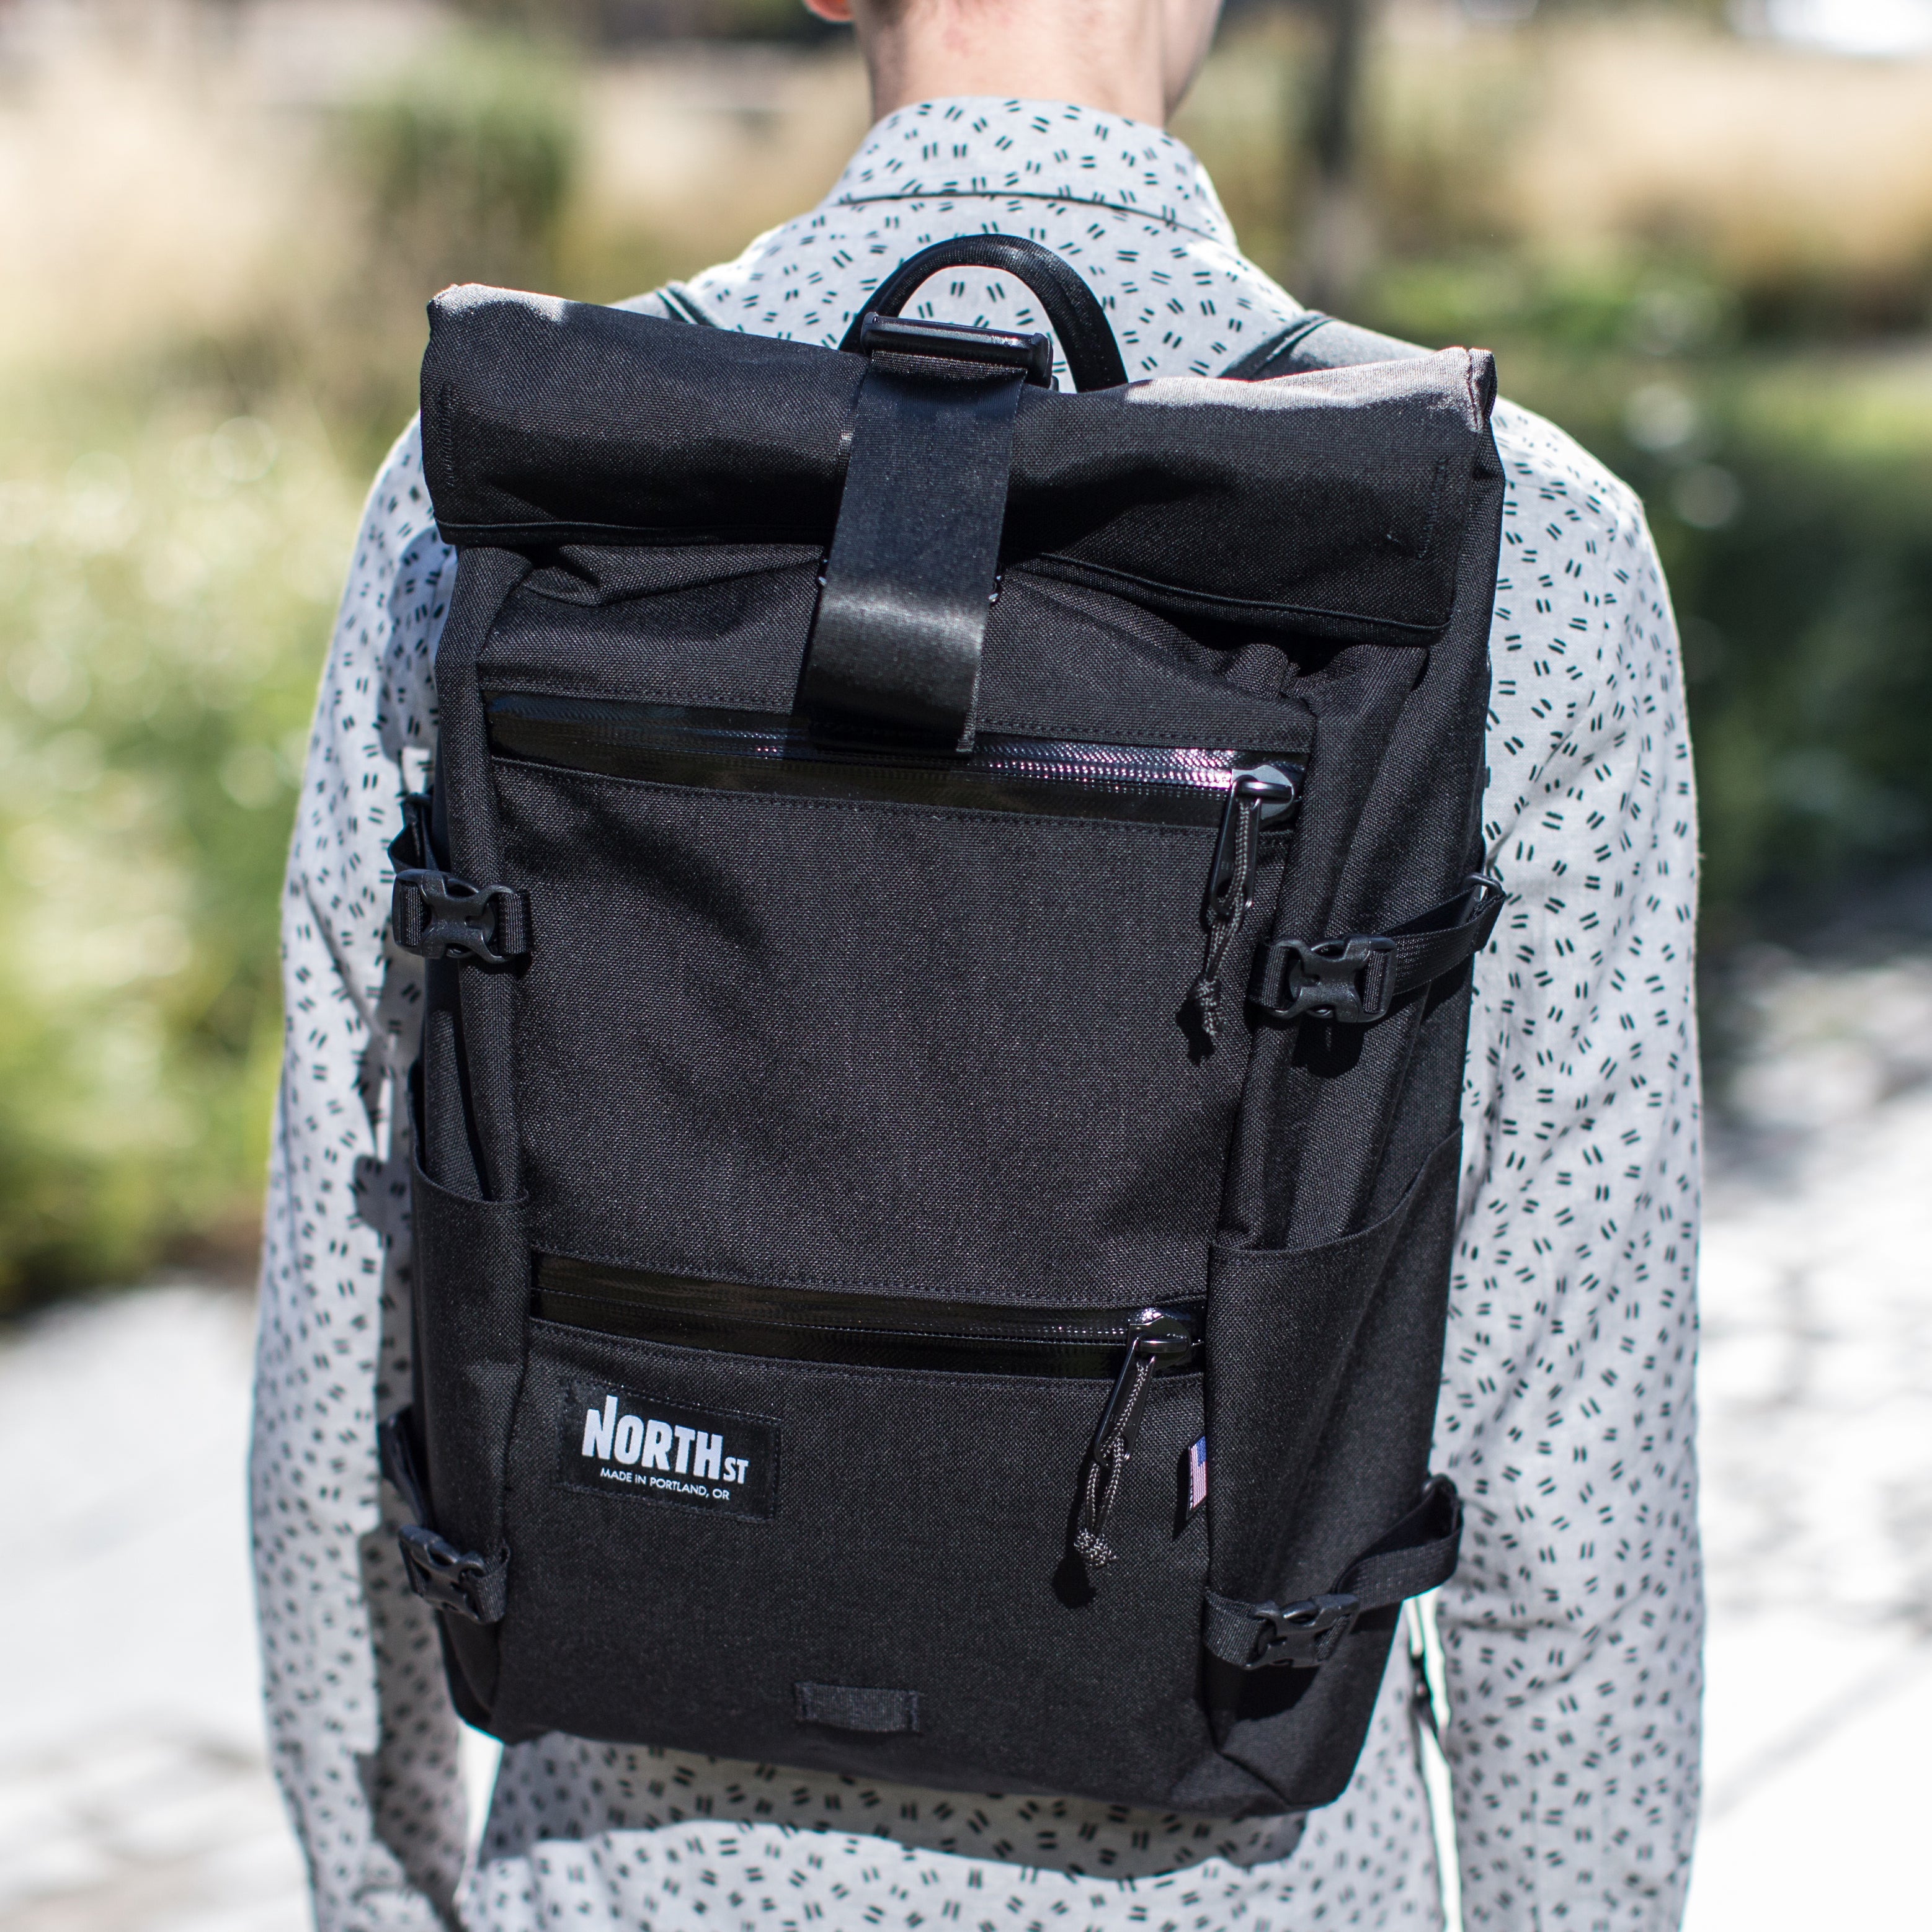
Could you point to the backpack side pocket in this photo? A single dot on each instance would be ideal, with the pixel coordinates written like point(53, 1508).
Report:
point(472, 1293)
point(1322, 1379)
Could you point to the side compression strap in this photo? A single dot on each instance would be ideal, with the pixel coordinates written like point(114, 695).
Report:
point(1416, 1555)
point(434, 913)
point(473, 1586)
point(1355, 981)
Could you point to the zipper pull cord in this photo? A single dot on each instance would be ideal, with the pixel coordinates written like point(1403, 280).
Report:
point(1158, 1337)
point(1227, 904)
point(1107, 1462)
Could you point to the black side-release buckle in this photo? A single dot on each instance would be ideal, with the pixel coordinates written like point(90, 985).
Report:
point(1303, 1635)
point(1345, 981)
point(473, 1586)
point(438, 915)
point(1355, 982)
point(1418, 1554)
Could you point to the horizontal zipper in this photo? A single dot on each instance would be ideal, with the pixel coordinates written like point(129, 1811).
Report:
point(866, 1330)
point(751, 751)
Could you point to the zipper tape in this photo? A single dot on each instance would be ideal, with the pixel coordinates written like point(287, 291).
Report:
point(792, 1324)
point(722, 749)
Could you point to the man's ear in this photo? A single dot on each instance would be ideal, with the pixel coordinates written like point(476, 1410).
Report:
point(839, 12)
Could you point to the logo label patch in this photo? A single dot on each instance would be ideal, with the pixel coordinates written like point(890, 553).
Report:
point(621, 1443)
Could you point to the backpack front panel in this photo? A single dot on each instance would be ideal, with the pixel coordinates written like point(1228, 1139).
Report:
point(873, 1161)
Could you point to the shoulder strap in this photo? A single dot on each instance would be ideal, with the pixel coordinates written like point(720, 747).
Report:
point(1292, 349)
point(1313, 340)
point(673, 301)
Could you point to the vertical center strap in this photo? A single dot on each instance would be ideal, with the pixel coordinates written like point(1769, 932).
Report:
point(915, 555)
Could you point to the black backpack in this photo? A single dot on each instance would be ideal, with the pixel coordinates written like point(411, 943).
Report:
point(948, 908)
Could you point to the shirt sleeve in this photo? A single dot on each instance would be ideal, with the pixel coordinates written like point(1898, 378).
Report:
point(363, 1738)
point(1572, 1630)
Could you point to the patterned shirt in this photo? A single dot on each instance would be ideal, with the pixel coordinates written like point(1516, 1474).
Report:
point(1571, 1631)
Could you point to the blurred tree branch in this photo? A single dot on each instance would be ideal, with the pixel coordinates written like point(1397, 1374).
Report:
point(1338, 239)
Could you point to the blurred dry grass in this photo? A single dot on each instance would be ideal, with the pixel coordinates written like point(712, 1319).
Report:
point(218, 242)
point(1783, 171)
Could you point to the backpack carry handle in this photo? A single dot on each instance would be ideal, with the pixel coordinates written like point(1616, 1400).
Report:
point(1086, 337)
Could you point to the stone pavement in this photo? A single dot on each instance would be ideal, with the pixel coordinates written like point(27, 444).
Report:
point(1815, 1386)
point(134, 1797)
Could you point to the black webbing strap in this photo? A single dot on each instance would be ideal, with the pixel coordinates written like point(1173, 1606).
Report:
point(1418, 1554)
point(1275, 357)
point(1295, 349)
point(441, 916)
point(1354, 981)
point(473, 1586)
point(915, 554)
point(678, 305)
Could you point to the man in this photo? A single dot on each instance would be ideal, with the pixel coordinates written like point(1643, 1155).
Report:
point(1571, 1630)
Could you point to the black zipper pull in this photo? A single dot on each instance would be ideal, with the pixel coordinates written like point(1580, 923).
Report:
point(1158, 1336)
point(1265, 793)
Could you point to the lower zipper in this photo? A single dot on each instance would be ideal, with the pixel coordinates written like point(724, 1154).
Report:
point(1127, 1348)
point(1159, 1341)
point(868, 1330)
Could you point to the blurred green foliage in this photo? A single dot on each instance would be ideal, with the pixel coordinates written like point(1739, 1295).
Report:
point(174, 524)
point(164, 595)
point(1790, 494)
point(467, 162)
point(1789, 485)
point(173, 537)
point(1766, 389)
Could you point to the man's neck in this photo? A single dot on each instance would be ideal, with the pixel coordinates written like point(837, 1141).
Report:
point(1128, 57)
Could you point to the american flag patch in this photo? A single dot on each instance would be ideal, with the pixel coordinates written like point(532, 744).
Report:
point(1197, 1475)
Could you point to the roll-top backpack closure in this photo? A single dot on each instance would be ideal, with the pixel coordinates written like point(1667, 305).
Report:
point(915, 555)
point(914, 560)
point(1329, 505)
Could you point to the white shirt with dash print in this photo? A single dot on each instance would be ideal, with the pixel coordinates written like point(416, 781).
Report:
point(1571, 1631)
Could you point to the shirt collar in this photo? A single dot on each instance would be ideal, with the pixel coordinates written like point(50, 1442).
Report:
point(974, 145)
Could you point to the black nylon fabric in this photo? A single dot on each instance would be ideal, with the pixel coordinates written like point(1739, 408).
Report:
point(1337, 502)
point(845, 1040)
point(969, 998)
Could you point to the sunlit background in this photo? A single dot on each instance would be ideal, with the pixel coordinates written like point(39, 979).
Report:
point(1699, 238)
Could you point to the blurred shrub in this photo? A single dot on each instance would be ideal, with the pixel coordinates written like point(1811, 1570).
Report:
point(1659, 230)
point(1563, 157)
point(1791, 497)
point(165, 577)
point(1792, 504)
point(467, 162)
